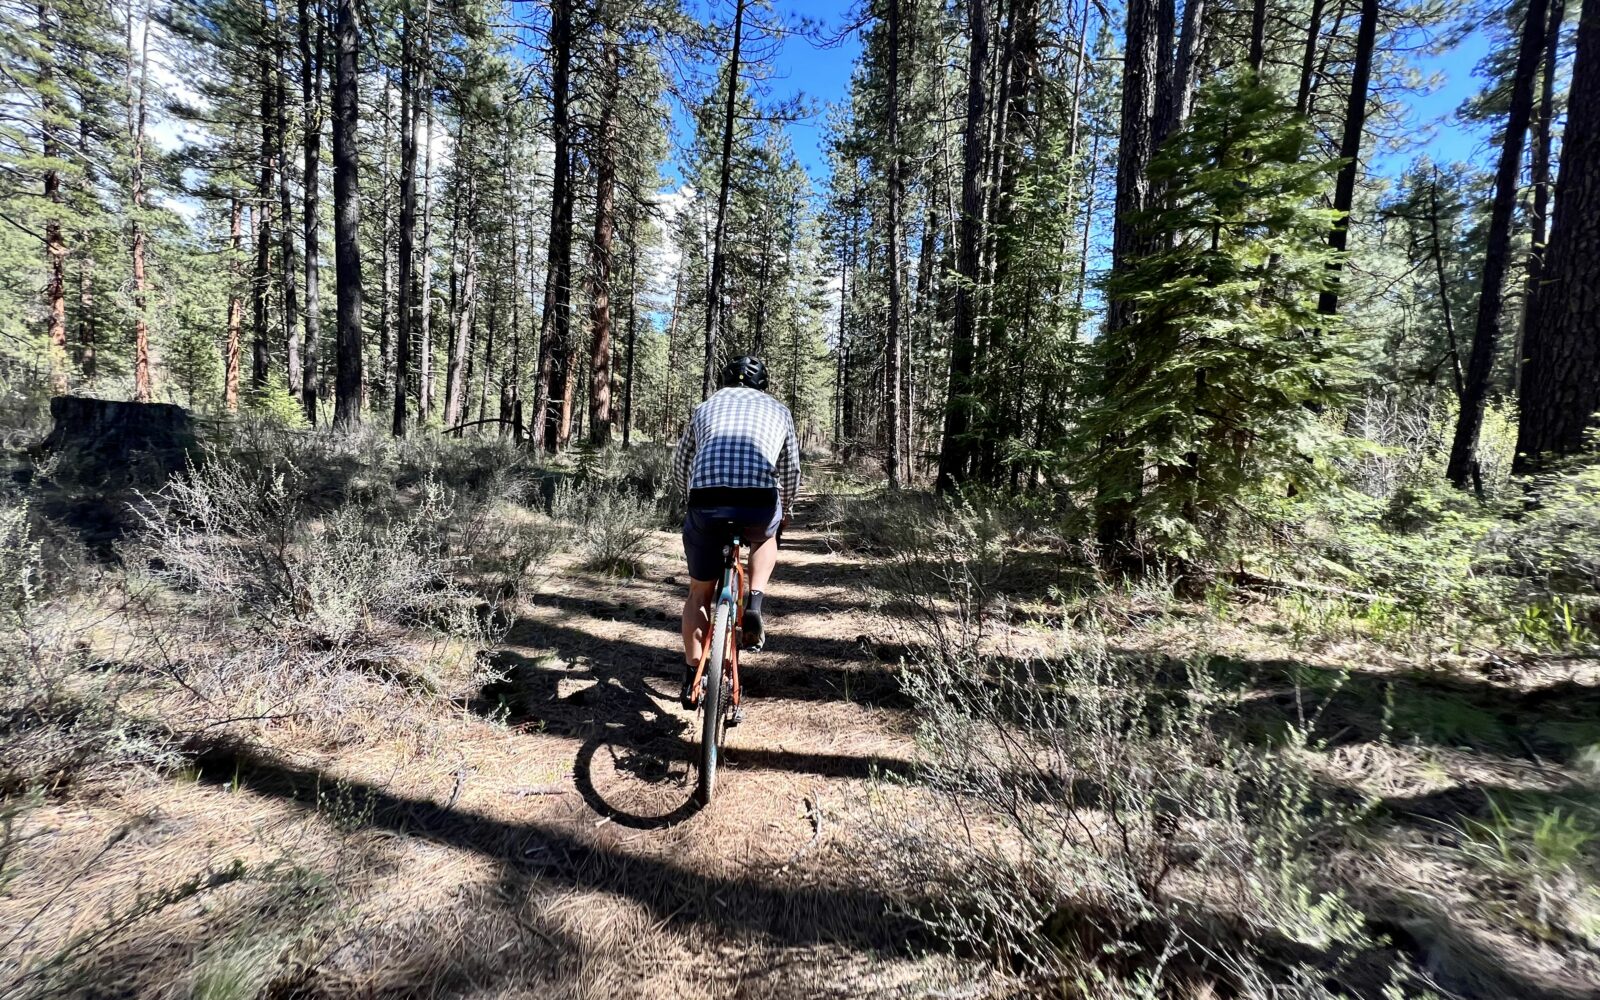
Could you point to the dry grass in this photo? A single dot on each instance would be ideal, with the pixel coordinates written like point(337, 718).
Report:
point(431, 822)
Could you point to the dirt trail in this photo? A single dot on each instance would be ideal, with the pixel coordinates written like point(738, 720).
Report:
point(536, 836)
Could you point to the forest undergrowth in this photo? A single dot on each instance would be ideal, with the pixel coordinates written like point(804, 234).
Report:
point(283, 737)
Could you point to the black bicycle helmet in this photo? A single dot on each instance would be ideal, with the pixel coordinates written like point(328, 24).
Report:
point(746, 371)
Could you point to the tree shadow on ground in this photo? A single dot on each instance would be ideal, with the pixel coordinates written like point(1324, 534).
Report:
point(534, 853)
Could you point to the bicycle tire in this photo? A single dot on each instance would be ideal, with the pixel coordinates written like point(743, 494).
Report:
point(711, 705)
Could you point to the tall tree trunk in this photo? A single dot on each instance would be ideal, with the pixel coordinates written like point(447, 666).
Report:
point(425, 291)
point(1258, 37)
point(633, 333)
point(230, 392)
point(291, 307)
point(600, 254)
point(1561, 382)
point(892, 414)
point(1444, 286)
point(1308, 59)
point(718, 254)
point(552, 416)
point(955, 450)
point(1539, 180)
point(136, 125)
point(385, 256)
point(260, 351)
point(347, 220)
point(311, 114)
point(455, 391)
point(1115, 502)
point(1355, 120)
point(55, 245)
point(86, 315)
point(1497, 253)
point(408, 224)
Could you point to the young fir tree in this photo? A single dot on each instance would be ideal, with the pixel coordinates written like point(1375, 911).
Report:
point(1223, 357)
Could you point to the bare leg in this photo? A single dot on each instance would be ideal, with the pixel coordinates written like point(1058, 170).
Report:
point(697, 617)
point(763, 558)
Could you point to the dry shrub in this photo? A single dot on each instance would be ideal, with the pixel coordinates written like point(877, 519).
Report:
point(61, 718)
point(355, 581)
point(1102, 827)
point(610, 523)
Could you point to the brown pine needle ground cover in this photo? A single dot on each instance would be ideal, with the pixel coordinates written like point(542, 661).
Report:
point(428, 823)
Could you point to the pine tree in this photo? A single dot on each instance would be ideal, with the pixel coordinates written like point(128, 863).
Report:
point(1223, 350)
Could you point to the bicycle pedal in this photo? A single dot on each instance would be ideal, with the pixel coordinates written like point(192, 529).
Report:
point(736, 716)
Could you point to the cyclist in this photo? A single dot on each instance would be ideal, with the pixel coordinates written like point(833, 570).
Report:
point(738, 462)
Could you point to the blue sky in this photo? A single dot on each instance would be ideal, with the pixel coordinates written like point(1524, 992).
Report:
point(822, 73)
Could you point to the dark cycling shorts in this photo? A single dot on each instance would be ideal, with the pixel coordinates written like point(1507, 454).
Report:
point(712, 517)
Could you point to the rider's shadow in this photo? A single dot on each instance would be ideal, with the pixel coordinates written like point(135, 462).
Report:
point(635, 765)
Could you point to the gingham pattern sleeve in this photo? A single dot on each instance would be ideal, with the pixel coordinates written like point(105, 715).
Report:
point(789, 466)
point(742, 439)
point(683, 458)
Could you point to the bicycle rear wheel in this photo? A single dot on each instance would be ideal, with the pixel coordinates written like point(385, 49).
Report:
point(713, 704)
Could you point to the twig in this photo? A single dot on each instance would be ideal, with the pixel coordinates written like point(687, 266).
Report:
point(455, 793)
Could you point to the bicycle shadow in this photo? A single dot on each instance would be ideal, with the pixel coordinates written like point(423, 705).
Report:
point(635, 763)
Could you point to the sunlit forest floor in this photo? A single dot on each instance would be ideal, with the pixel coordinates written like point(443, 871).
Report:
point(205, 798)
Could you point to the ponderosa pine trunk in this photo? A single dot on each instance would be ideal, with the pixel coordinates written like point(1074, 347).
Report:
point(1463, 465)
point(551, 424)
point(896, 196)
point(1561, 381)
point(1355, 120)
point(141, 328)
point(1539, 179)
point(347, 220)
point(408, 224)
point(230, 390)
point(311, 116)
point(266, 194)
point(55, 244)
point(955, 449)
point(291, 306)
point(605, 172)
point(1116, 497)
point(724, 185)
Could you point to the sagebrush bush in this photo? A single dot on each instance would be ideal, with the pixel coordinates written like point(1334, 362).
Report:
point(60, 718)
point(1133, 837)
point(354, 579)
point(610, 524)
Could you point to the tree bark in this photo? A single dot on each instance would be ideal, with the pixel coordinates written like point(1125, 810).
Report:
point(260, 351)
point(141, 327)
point(1116, 498)
point(1497, 253)
point(1539, 179)
point(408, 225)
point(425, 291)
point(455, 404)
point(552, 416)
point(1561, 382)
point(718, 262)
point(955, 450)
point(230, 391)
point(633, 334)
point(291, 307)
point(896, 195)
point(1355, 119)
point(310, 108)
point(600, 253)
point(347, 220)
point(55, 244)
point(1308, 59)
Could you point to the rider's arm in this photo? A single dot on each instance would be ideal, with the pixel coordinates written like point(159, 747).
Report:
point(789, 468)
point(683, 460)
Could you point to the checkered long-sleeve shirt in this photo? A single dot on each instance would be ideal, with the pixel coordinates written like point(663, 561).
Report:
point(739, 438)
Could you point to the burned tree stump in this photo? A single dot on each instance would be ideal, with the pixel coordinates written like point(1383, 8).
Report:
point(114, 435)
